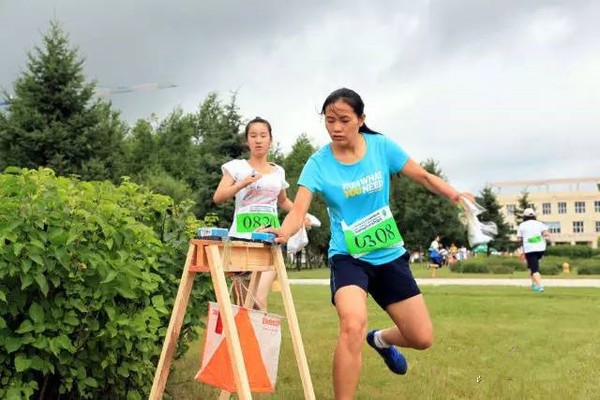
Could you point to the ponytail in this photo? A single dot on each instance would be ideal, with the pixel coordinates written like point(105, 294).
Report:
point(365, 129)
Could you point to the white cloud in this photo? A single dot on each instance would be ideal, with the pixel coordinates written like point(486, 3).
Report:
point(493, 91)
point(550, 26)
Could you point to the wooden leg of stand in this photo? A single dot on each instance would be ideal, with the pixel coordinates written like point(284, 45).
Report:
point(166, 355)
point(253, 290)
point(224, 395)
point(248, 303)
point(231, 334)
point(290, 311)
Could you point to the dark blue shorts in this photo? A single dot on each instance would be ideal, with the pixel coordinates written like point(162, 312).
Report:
point(533, 260)
point(387, 283)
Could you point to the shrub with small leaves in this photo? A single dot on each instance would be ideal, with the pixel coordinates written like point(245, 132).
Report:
point(474, 265)
point(589, 270)
point(501, 269)
point(587, 267)
point(550, 268)
point(514, 262)
point(575, 251)
point(456, 267)
point(88, 275)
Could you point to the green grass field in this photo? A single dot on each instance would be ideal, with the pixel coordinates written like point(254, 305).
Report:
point(421, 271)
point(522, 345)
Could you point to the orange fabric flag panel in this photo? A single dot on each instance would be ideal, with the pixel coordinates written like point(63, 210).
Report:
point(260, 339)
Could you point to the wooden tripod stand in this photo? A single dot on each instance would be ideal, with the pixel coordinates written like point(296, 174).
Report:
point(217, 258)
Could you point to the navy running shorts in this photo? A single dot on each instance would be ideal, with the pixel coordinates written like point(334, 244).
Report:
point(533, 260)
point(387, 283)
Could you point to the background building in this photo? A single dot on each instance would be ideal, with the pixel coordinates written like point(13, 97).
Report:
point(570, 207)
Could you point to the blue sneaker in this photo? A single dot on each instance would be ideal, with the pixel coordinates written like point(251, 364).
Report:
point(392, 357)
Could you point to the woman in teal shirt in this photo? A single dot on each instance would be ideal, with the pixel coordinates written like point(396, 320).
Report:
point(366, 252)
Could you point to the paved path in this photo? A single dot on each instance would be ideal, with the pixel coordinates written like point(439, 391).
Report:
point(477, 282)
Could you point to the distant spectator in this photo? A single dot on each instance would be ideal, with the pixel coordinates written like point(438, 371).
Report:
point(453, 253)
point(415, 256)
point(434, 254)
point(445, 255)
point(462, 253)
point(453, 249)
point(435, 244)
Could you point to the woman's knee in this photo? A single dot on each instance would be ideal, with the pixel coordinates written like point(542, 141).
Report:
point(422, 341)
point(353, 330)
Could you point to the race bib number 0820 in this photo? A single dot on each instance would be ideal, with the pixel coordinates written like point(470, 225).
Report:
point(249, 218)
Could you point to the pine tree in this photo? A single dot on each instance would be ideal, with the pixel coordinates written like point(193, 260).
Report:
point(276, 154)
point(219, 137)
point(488, 200)
point(162, 157)
point(523, 203)
point(54, 121)
point(141, 149)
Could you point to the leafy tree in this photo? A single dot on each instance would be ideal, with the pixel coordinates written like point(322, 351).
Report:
point(53, 119)
point(174, 146)
point(398, 185)
point(488, 200)
point(161, 182)
point(183, 155)
point(421, 215)
point(293, 164)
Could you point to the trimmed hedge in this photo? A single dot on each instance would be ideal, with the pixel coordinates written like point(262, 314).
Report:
point(500, 269)
point(474, 266)
point(589, 270)
point(456, 267)
point(471, 265)
point(551, 265)
point(588, 267)
point(88, 276)
point(550, 269)
point(514, 262)
point(492, 264)
point(575, 251)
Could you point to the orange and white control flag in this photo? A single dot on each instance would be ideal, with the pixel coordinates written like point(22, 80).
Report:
point(260, 339)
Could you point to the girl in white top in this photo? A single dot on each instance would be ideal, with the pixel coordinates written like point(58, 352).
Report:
point(259, 188)
point(534, 234)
